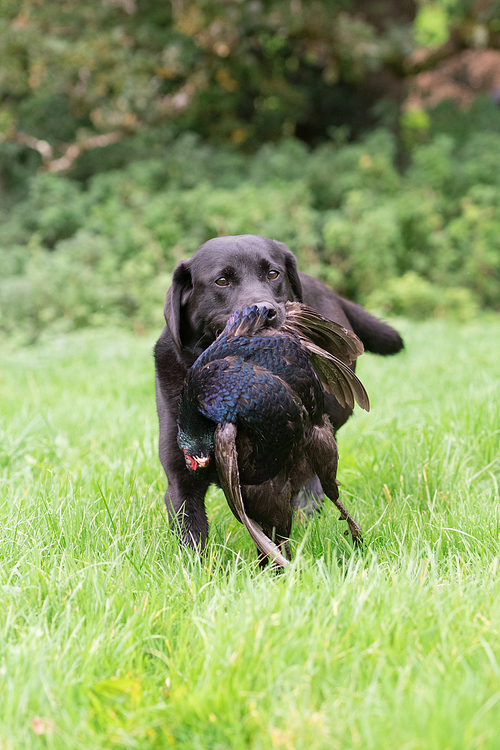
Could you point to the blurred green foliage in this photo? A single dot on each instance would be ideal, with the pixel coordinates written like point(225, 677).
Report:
point(131, 131)
point(432, 24)
point(122, 76)
point(425, 242)
point(237, 73)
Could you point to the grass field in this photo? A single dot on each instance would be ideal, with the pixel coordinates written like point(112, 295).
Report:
point(112, 637)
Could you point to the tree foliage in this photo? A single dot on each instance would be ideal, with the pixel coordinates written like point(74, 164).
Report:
point(80, 76)
point(76, 77)
point(421, 242)
point(133, 130)
point(128, 75)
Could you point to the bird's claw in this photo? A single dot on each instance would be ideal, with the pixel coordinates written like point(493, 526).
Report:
point(354, 529)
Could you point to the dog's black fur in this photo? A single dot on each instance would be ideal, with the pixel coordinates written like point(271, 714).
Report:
point(197, 309)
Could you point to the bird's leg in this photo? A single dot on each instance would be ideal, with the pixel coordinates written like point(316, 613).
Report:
point(323, 458)
point(354, 527)
point(331, 489)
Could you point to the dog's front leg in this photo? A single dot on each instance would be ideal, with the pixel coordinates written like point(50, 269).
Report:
point(185, 496)
point(185, 502)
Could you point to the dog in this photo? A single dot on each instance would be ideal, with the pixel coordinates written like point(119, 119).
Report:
point(226, 274)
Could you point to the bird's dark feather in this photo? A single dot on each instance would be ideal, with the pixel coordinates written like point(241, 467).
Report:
point(264, 407)
point(262, 391)
point(328, 335)
point(226, 457)
point(332, 348)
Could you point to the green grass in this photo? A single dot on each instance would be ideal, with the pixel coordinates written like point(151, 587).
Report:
point(111, 636)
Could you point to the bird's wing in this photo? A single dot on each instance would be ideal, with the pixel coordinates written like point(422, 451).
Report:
point(331, 348)
point(338, 378)
point(328, 335)
point(226, 459)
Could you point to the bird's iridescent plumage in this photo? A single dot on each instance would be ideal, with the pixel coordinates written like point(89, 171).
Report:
point(268, 384)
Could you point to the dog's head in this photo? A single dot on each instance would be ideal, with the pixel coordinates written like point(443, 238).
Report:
point(224, 275)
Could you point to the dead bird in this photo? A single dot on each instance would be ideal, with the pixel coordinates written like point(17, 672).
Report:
point(251, 416)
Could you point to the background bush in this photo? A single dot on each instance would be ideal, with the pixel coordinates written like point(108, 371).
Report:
point(131, 131)
point(419, 242)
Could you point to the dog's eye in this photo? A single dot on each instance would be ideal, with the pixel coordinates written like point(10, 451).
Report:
point(222, 281)
point(273, 275)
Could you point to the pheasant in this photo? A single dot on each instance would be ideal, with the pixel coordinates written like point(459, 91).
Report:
point(251, 416)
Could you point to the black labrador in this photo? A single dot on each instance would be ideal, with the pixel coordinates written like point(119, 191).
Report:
point(223, 275)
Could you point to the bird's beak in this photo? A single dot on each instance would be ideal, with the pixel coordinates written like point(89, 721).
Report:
point(202, 462)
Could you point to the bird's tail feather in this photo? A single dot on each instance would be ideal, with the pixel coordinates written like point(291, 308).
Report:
point(226, 459)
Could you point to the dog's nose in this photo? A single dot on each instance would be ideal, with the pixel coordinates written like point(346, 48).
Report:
point(268, 307)
point(271, 315)
point(274, 316)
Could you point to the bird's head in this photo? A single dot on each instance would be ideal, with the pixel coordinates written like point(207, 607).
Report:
point(198, 450)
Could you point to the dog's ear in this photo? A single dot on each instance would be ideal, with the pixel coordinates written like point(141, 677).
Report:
point(292, 272)
point(177, 298)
